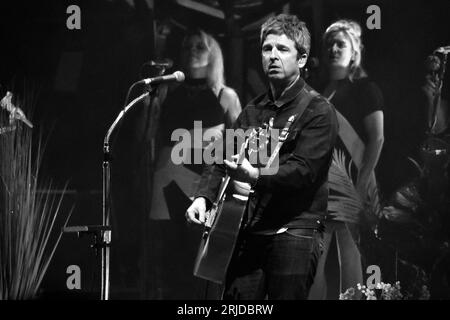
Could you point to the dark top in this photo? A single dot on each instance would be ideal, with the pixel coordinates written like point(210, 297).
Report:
point(191, 101)
point(297, 195)
point(356, 100)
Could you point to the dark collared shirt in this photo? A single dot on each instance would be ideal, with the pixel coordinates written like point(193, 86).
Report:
point(297, 195)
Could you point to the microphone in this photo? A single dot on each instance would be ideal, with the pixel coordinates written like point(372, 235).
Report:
point(177, 76)
point(443, 50)
point(164, 63)
point(159, 65)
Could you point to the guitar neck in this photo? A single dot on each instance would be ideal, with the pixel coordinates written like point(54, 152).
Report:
point(226, 181)
point(223, 187)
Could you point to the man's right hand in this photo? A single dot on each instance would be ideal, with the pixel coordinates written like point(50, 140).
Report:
point(196, 213)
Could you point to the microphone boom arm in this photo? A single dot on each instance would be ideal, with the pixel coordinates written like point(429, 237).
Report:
point(121, 115)
point(106, 205)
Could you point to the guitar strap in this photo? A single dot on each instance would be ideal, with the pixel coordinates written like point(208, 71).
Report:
point(304, 103)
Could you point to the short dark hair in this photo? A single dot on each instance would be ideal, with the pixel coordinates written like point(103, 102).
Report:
point(292, 27)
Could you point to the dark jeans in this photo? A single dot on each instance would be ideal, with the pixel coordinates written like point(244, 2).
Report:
point(280, 266)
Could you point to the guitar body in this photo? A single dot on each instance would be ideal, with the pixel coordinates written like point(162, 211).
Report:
point(217, 245)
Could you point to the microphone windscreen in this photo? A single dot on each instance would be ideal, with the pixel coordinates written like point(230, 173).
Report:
point(179, 76)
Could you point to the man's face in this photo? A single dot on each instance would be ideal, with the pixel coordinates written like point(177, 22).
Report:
point(280, 59)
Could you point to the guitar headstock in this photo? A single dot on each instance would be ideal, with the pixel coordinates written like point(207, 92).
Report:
point(249, 144)
point(260, 139)
point(285, 132)
point(246, 144)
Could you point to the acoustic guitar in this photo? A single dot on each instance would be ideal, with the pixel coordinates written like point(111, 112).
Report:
point(225, 217)
point(221, 229)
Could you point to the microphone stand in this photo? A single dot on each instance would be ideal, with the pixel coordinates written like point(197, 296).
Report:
point(106, 205)
point(106, 198)
point(102, 232)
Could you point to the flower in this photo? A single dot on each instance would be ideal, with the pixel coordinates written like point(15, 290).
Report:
point(348, 294)
point(425, 294)
point(381, 291)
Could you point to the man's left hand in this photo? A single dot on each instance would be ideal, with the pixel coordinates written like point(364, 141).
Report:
point(244, 171)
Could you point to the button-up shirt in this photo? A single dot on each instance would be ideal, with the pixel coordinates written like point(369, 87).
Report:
point(296, 195)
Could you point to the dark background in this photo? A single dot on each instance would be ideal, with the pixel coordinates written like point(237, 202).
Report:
point(80, 79)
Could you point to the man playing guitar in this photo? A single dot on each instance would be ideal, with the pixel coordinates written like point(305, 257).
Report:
point(279, 243)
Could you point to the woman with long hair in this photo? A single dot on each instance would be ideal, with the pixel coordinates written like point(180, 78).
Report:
point(202, 98)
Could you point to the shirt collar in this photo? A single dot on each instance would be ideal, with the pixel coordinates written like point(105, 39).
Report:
point(287, 95)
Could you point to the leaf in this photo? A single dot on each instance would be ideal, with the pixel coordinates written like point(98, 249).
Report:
point(344, 203)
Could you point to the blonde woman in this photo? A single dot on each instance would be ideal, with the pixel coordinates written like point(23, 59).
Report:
point(203, 96)
point(358, 102)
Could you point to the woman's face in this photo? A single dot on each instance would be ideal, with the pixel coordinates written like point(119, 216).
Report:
point(195, 53)
point(339, 50)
